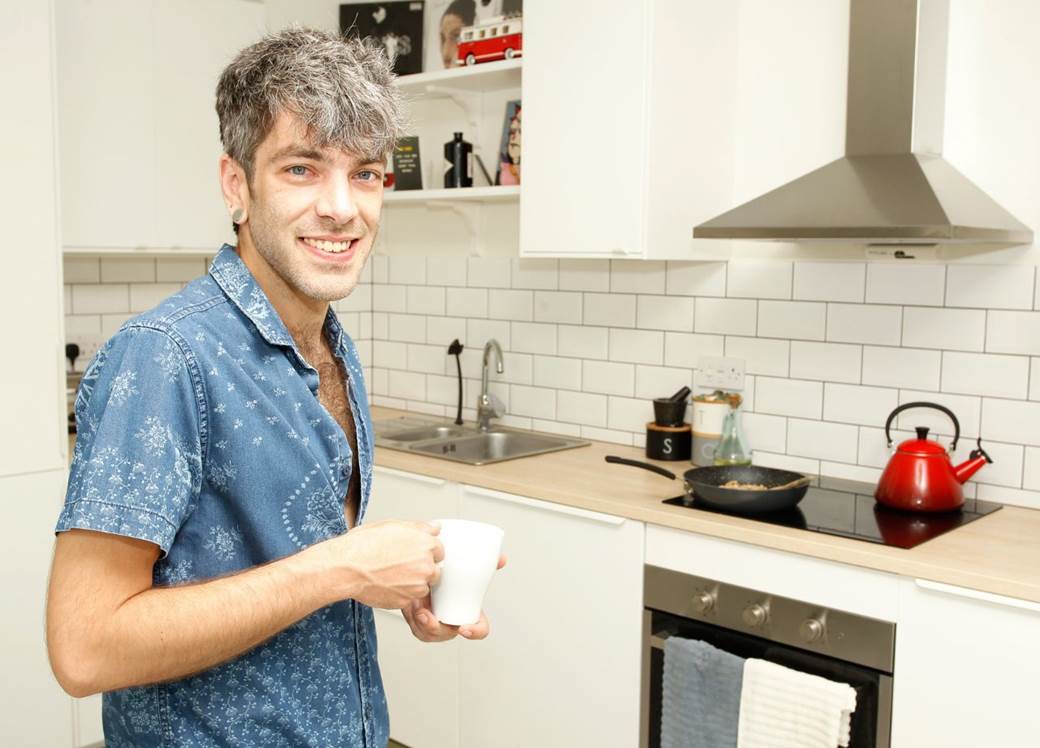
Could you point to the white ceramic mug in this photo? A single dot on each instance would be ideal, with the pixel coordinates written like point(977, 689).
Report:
point(471, 551)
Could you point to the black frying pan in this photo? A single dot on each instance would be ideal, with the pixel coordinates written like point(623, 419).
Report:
point(705, 485)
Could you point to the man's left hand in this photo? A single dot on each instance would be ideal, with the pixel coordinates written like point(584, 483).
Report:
point(427, 628)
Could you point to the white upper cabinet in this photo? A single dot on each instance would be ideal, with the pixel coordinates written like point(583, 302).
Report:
point(628, 119)
point(138, 134)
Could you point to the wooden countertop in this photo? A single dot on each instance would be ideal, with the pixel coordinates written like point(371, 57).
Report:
point(998, 553)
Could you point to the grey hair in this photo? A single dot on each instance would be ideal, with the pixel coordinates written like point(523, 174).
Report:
point(340, 88)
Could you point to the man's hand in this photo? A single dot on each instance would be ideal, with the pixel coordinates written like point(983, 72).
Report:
point(426, 627)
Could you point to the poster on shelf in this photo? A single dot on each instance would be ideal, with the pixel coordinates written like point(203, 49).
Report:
point(407, 166)
point(444, 22)
point(398, 25)
point(509, 151)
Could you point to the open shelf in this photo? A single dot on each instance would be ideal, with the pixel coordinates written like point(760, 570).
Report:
point(487, 76)
point(497, 194)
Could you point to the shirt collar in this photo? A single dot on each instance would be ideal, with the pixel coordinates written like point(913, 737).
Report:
point(232, 275)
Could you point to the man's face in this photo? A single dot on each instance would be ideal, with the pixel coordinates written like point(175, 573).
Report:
point(313, 213)
point(451, 29)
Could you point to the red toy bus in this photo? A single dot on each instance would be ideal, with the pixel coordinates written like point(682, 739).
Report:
point(499, 38)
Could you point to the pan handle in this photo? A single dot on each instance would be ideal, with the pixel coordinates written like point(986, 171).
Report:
point(636, 463)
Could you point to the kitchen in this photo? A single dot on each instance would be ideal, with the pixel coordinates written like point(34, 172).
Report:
point(595, 318)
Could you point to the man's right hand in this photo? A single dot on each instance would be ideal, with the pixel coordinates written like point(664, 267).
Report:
point(384, 564)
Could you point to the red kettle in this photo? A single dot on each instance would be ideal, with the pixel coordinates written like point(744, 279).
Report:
point(919, 477)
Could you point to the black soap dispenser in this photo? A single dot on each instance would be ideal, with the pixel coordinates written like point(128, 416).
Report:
point(459, 155)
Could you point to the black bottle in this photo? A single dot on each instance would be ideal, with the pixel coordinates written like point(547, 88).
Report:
point(459, 155)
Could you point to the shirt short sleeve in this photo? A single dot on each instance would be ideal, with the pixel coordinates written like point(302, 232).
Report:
point(137, 466)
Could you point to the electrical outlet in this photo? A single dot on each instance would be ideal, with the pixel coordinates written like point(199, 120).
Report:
point(88, 347)
point(719, 373)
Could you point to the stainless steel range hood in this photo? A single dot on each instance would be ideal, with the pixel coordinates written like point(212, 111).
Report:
point(892, 186)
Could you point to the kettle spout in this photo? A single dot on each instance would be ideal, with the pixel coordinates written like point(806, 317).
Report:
point(976, 460)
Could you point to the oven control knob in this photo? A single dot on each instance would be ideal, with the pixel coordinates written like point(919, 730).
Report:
point(812, 629)
point(756, 614)
point(703, 602)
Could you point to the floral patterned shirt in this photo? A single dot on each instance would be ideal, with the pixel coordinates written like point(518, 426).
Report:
point(200, 430)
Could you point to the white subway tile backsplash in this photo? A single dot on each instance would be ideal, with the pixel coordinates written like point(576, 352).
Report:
point(178, 269)
point(1031, 476)
point(1013, 332)
point(968, 410)
point(797, 320)
point(467, 302)
point(898, 283)
point(444, 270)
point(985, 374)
point(582, 408)
point(696, 279)
point(513, 305)
point(1034, 379)
point(78, 325)
point(536, 402)
point(359, 300)
point(425, 300)
point(831, 362)
point(874, 450)
point(755, 279)
point(608, 378)
point(789, 397)
point(765, 432)
point(67, 299)
point(607, 435)
point(990, 286)
point(442, 330)
point(684, 349)
point(442, 390)
point(822, 440)
point(869, 406)
point(127, 270)
point(488, 272)
point(637, 276)
point(829, 281)
point(407, 328)
point(761, 355)
point(582, 342)
point(1006, 468)
point(533, 337)
point(555, 427)
point(406, 385)
point(99, 299)
point(389, 299)
point(864, 323)
point(584, 275)
point(110, 323)
point(1011, 421)
point(389, 355)
point(637, 346)
point(1005, 495)
point(787, 462)
point(519, 368)
point(664, 313)
point(380, 265)
point(81, 269)
point(902, 367)
point(377, 381)
point(429, 359)
point(949, 329)
point(850, 472)
point(557, 306)
point(533, 272)
point(557, 373)
point(610, 310)
point(660, 381)
point(726, 316)
point(628, 414)
point(479, 331)
point(405, 270)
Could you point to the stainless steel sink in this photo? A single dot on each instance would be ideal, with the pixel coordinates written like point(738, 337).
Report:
point(466, 444)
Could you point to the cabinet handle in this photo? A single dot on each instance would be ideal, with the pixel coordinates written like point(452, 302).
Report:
point(410, 476)
point(606, 519)
point(988, 597)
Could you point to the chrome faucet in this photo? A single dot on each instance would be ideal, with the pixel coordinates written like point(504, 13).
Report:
point(488, 405)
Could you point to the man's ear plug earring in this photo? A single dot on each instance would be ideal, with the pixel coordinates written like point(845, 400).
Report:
point(238, 215)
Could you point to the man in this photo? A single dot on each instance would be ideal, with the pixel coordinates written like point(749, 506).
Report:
point(211, 574)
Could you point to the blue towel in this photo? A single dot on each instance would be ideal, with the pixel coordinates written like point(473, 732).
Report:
point(700, 695)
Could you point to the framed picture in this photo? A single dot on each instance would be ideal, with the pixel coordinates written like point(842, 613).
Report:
point(444, 22)
point(398, 25)
point(508, 171)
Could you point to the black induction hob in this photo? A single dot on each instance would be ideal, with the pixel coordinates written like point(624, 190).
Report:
point(835, 506)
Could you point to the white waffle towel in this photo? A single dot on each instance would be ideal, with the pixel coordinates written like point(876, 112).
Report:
point(785, 708)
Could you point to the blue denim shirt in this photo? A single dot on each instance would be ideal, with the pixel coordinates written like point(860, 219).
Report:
point(200, 430)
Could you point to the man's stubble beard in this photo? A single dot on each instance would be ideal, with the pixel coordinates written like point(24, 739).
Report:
point(292, 269)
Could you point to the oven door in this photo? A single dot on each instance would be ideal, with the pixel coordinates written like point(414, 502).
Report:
point(870, 722)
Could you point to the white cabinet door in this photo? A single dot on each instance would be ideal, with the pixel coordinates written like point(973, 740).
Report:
point(421, 679)
point(965, 668)
point(561, 666)
point(89, 730)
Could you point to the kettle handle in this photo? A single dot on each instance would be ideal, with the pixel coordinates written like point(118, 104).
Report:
point(922, 404)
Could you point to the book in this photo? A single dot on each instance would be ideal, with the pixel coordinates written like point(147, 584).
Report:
point(407, 166)
point(398, 25)
point(508, 171)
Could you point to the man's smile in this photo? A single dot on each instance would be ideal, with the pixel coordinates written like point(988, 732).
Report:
point(330, 245)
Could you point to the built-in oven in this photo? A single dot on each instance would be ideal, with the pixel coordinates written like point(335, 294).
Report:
point(833, 644)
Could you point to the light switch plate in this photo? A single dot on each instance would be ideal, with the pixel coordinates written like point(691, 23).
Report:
point(719, 373)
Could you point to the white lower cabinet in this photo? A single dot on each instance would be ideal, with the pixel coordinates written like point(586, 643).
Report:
point(965, 668)
point(562, 664)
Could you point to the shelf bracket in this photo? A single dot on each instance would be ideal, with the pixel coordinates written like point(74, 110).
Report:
point(467, 212)
point(467, 101)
